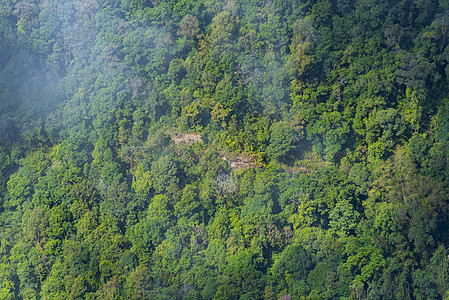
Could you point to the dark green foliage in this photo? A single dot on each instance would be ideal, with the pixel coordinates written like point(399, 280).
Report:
point(282, 140)
point(8, 131)
point(154, 149)
point(291, 269)
point(164, 173)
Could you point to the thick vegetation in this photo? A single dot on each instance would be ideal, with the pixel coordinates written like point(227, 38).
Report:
point(284, 149)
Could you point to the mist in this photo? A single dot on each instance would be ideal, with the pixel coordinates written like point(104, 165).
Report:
point(67, 62)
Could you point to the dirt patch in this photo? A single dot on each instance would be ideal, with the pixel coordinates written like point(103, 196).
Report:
point(239, 162)
point(306, 166)
point(295, 169)
point(186, 138)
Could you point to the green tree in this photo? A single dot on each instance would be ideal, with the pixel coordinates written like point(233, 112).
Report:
point(164, 172)
point(282, 140)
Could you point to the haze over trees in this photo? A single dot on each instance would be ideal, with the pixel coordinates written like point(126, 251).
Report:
point(224, 149)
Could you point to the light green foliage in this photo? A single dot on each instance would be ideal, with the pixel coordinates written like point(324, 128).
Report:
point(59, 225)
point(115, 200)
point(138, 285)
point(344, 218)
point(142, 183)
point(19, 190)
point(7, 285)
point(334, 130)
point(164, 173)
point(188, 205)
point(302, 47)
point(222, 28)
point(159, 210)
point(363, 261)
point(392, 126)
point(35, 225)
point(321, 172)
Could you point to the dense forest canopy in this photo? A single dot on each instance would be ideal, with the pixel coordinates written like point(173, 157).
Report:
point(224, 149)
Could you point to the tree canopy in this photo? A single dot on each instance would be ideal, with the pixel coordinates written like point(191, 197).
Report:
point(224, 149)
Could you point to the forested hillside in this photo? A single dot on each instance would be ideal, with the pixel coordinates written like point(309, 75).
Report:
point(224, 149)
